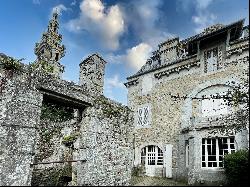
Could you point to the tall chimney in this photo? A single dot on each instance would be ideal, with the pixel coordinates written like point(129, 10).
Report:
point(92, 74)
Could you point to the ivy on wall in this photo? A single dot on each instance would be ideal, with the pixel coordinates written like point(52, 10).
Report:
point(10, 62)
point(45, 66)
point(56, 113)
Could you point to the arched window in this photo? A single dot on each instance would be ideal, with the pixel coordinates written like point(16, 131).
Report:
point(213, 107)
point(151, 155)
point(212, 101)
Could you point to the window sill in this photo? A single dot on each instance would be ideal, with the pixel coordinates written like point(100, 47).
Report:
point(212, 169)
point(143, 127)
point(214, 72)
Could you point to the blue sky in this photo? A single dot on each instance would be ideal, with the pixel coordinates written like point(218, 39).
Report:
point(123, 32)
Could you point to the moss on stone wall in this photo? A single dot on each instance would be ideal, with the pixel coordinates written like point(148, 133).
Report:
point(70, 139)
point(109, 109)
point(52, 176)
point(10, 62)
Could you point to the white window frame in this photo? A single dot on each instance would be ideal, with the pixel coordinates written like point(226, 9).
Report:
point(229, 150)
point(211, 60)
point(187, 153)
point(143, 116)
point(151, 156)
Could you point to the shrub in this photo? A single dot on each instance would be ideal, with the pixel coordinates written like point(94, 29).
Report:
point(138, 171)
point(236, 168)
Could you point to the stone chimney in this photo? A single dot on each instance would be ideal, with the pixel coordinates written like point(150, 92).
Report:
point(168, 50)
point(92, 74)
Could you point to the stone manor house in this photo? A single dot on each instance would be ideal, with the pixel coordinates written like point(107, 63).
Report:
point(179, 122)
point(55, 132)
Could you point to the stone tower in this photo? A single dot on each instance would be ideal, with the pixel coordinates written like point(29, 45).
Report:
point(49, 50)
point(92, 73)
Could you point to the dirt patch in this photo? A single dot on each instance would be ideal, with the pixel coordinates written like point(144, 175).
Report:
point(154, 181)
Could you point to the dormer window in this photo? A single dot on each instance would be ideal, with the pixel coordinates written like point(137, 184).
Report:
point(211, 60)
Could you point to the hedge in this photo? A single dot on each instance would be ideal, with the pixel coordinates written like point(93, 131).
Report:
point(236, 168)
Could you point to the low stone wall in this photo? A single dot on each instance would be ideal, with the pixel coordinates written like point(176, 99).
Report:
point(107, 145)
point(20, 111)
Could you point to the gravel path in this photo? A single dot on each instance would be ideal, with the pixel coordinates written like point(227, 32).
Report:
point(154, 181)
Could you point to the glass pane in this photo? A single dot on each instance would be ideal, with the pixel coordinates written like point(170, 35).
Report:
point(203, 141)
point(224, 140)
point(211, 158)
point(160, 162)
point(203, 164)
point(213, 141)
point(220, 164)
point(203, 158)
point(221, 152)
point(220, 142)
point(231, 140)
point(152, 162)
point(209, 150)
point(150, 148)
point(225, 146)
point(214, 150)
point(208, 141)
point(232, 146)
point(203, 149)
point(214, 164)
point(209, 164)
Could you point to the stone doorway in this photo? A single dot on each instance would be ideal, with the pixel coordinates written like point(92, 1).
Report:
point(152, 158)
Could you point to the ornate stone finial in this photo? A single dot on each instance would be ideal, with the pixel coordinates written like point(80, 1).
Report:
point(50, 50)
point(212, 28)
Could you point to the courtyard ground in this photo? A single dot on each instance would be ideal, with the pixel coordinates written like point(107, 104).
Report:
point(154, 181)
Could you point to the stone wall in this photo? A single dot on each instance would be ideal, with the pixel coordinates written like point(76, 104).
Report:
point(20, 110)
point(94, 148)
point(106, 144)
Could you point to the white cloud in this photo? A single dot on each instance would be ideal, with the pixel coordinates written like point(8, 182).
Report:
point(202, 21)
point(105, 23)
point(204, 17)
point(73, 3)
point(143, 17)
point(59, 8)
point(136, 56)
point(202, 4)
point(113, 83)
point(114, 59)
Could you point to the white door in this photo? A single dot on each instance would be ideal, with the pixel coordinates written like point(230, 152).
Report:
point(168, 160)
point(152, 158)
